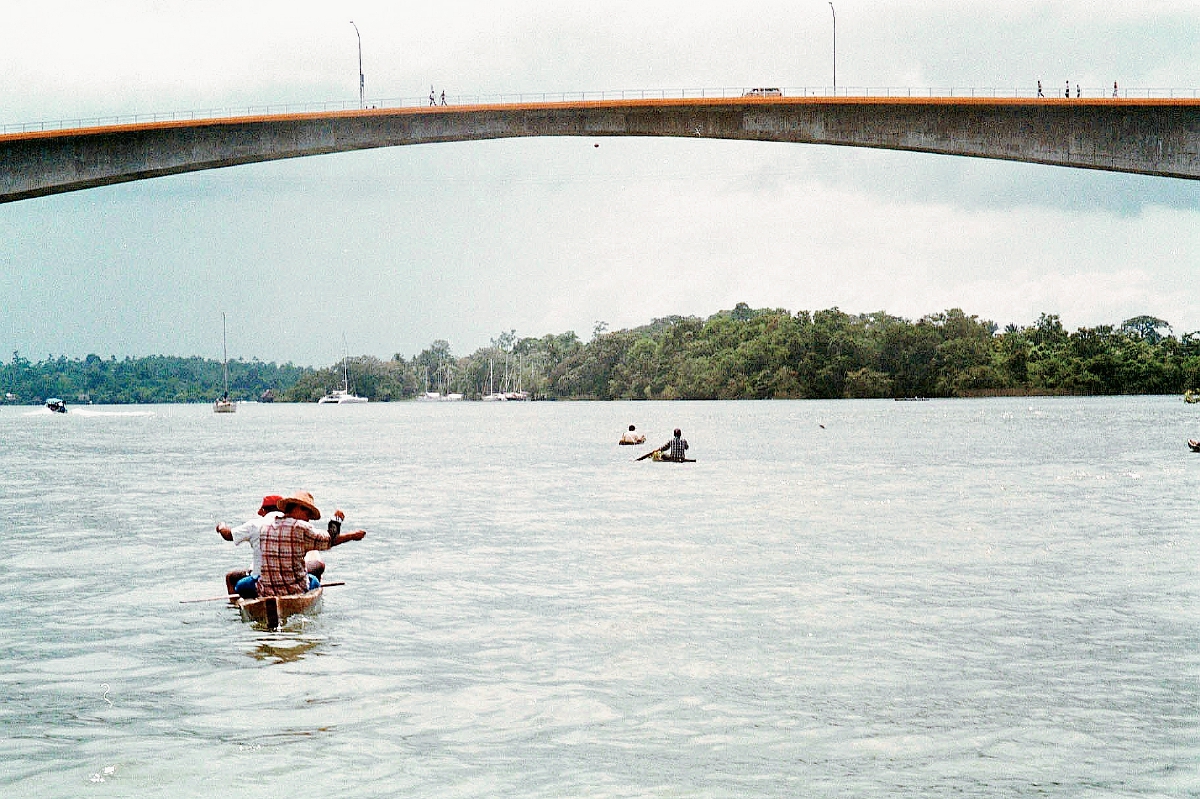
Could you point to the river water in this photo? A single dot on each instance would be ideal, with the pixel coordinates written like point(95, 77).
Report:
point(856, 598)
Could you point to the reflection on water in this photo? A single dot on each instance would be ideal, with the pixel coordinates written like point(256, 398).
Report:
point(283, 648)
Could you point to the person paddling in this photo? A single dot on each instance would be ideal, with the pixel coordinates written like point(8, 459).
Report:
point(241, 581)
point(286, 541)
point(678, 447)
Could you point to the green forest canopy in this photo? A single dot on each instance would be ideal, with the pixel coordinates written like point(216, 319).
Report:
point(742, 353)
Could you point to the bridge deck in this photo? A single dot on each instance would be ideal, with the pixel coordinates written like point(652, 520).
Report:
point(1153, 136)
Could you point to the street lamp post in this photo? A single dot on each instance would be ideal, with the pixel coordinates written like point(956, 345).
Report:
point(362, 82)
point(834, 12)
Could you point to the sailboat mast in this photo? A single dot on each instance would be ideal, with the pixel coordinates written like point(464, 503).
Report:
point(224, 354)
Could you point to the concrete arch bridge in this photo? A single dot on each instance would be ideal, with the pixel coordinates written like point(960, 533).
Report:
point(1146, 136)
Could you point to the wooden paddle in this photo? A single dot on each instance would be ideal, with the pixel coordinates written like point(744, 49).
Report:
point(238, 596)
point(647, 455)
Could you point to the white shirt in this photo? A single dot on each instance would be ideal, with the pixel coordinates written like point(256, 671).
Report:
point(249, 532)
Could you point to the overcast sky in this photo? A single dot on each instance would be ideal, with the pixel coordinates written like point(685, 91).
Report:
point(394, 248)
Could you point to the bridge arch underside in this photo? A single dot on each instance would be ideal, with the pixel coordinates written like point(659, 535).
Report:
point(1144, 137)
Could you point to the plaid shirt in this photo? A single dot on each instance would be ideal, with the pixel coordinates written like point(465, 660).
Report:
point(678, 447)
point(283, 543)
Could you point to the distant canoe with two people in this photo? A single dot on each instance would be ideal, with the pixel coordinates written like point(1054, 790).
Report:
point(289, 570)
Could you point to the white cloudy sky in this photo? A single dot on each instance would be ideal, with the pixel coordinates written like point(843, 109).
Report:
point(395, 248)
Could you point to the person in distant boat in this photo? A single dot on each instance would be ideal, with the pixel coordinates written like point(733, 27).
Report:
point(289, 538)
point(632, 436)
point(242, 581)
point(678, 447)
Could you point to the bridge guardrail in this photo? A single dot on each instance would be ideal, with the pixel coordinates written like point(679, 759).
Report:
point(228, 112)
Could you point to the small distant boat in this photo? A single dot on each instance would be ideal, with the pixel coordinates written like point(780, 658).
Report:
point(273, 611)
point(343, 396)
point(224, 404)
point(1191, 397)
point(1194, 444)
point(502, 396)
point(56, 405)
point(632, 436)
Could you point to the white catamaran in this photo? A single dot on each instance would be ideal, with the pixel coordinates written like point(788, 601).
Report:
point(224, 404)
point(342, 396)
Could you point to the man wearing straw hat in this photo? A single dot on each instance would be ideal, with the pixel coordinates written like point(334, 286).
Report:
point(286, 540)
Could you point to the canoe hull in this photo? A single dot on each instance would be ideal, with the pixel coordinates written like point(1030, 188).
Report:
point(658, 457)
point(273, 611)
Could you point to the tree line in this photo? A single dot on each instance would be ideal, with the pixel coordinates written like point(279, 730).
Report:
point(742, 353)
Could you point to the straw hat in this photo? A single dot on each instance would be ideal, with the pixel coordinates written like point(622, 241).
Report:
point(302, 498)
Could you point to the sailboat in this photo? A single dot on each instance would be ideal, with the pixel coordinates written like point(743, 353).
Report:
point(224, 404)
point(493, 395)
point(342, 396)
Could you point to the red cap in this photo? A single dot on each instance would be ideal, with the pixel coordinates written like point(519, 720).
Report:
point(271, 502)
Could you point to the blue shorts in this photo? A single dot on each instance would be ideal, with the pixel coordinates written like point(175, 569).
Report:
point(247, 587)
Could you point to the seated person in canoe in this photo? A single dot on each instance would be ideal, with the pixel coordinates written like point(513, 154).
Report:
point(286, 541)
point(676, 448)
point(632, 436)
point(241, 581)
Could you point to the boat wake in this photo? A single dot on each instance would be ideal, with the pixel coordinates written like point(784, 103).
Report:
point(123, 414)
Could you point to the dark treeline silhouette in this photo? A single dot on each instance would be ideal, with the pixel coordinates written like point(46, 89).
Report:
point(156, 378)
point(739, 354)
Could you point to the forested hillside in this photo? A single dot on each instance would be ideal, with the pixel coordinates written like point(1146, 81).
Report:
point(739, 354)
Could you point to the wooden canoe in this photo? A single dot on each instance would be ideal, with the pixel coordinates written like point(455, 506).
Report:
point(1194, 444)
point(658, 457)
point(273, 611)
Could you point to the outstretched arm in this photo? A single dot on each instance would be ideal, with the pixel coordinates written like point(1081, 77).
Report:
point(342, 538)
point(336, 536)
point(225, 531)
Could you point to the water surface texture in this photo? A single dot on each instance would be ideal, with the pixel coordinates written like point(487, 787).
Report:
point(859, 598)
